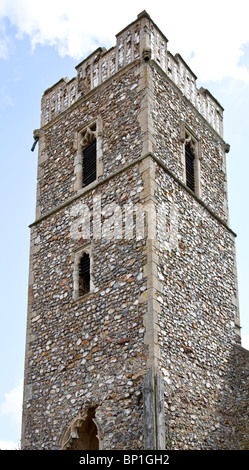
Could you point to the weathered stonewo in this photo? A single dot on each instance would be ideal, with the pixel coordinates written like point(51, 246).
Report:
point(150, 358)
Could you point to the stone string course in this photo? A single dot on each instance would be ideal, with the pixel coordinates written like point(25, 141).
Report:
point(154, 346)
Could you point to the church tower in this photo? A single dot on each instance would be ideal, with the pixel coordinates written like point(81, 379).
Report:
point(133, 314)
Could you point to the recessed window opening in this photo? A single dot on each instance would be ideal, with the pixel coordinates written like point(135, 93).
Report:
point(190, 168)
point(87, 434)
point(84, 274)
point(89, 163)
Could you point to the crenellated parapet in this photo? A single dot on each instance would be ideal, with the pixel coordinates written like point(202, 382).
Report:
point(91, 72)
point(143, 40)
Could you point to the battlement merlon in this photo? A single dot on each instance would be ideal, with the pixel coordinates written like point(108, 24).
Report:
point(141, 39)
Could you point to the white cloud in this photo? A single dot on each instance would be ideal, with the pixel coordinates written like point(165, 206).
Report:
point(245, 341)
point(4, 41)
point(8, 445)
point(11, 416)
point(12, 405)
point(73, 27)
point(210, 38)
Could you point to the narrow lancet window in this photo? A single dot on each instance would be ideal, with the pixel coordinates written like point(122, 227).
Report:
point(84, 274)
point(89, 163)
point(190, 168)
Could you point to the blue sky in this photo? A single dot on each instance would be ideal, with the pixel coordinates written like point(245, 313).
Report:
point(41, 42)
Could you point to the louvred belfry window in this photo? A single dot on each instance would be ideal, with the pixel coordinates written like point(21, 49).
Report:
point(89, 163)
point(84, 274)
point(190, 168)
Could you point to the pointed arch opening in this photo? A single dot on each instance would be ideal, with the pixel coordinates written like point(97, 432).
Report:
point(191, 158)
point(83, 433)
point(87, 434)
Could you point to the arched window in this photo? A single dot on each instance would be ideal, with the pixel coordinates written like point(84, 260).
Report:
point(87, 434)
point(82, 272)
point(83, 433)
point(88, 161)
point(89, 156)
point(191, 158)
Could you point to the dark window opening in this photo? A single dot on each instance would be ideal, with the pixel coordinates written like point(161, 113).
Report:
point(84, 274)
point(190, 168)
point(87, 434)
point(89, 163)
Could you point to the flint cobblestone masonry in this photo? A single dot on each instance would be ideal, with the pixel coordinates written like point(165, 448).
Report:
point(154, 346)
point(81, 348)
point(196, 323)
point(170, 108)
point(56, 176)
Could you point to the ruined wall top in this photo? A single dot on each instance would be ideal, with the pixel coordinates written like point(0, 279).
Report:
point(142, 39)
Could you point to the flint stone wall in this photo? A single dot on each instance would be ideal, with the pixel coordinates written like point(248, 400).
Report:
point(196, 323)
point(117, 103)
point(89, 351)
point(170, 109)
